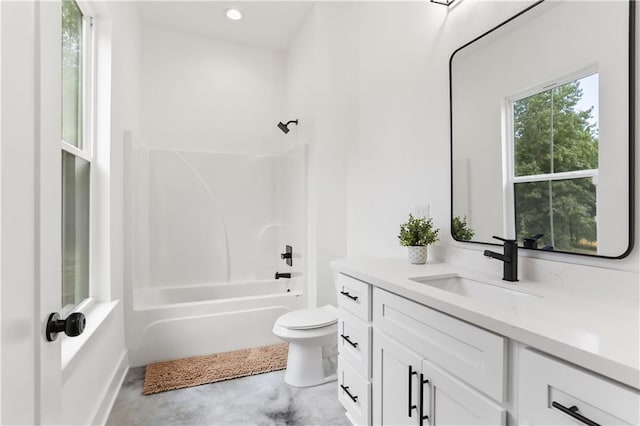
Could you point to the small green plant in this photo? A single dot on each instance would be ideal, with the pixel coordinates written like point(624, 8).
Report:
point(460, 229)
point(418, 232)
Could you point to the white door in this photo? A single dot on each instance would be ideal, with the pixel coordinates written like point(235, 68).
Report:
point(396, 391)
point(30, 217)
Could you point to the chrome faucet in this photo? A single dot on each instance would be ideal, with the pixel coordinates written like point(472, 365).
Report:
point(509, 259)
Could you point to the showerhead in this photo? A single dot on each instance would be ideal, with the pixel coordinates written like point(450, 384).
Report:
point(285, 127)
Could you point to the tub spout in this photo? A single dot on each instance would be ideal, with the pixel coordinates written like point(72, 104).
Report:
point(283, 275)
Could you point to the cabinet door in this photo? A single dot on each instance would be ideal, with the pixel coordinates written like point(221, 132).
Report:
point(396, 373)
point(449, 401)
point(473, 354)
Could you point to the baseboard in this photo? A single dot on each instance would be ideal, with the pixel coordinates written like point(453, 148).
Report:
point(104, 409)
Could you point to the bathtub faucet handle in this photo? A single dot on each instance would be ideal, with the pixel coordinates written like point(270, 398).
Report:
point(287, 255)
point(283, 275)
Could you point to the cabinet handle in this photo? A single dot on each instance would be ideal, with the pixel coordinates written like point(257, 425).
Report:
point(423, 382)
point(411, 373)
point(346, 339)
point(573, 412)
point(354, 398)
point(346, 293)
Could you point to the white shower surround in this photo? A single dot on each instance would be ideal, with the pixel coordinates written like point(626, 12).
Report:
point(205, 218)
point(208, 229)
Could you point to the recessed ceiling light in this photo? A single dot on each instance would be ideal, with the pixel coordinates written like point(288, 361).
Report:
point(233, 14)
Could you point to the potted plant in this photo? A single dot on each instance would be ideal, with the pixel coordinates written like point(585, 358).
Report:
point(417, 234)
point(460, 229)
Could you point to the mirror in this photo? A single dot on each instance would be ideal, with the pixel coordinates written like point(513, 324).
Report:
point(541, 136)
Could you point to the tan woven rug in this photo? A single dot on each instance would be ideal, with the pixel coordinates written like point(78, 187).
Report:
point(200, 370)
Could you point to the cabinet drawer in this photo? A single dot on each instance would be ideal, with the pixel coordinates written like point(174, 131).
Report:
point(549, 387)
point(470, 353)
point(354, 392)
point(354, 341)
point(354, 296)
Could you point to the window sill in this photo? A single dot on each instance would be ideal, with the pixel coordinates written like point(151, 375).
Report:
point(71, 348)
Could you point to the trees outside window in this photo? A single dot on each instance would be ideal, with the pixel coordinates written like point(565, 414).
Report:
point(555, 165)
point(76, 144)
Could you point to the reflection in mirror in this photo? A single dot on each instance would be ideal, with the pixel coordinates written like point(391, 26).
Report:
point(555, 166)
point(540, 130)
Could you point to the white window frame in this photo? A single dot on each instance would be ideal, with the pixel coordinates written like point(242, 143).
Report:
point(88, 119)
point(509, 150)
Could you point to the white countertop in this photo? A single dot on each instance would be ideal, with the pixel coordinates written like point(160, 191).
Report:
point(602, 337)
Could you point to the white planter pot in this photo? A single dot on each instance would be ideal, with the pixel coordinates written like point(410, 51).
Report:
point(417, 254)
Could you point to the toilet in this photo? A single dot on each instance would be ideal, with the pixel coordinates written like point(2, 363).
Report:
point(308, 331)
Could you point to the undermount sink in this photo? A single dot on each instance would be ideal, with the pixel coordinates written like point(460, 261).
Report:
point(476, 290)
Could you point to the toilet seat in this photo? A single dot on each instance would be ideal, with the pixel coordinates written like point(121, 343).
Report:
point(308, 331)
point(309, 319)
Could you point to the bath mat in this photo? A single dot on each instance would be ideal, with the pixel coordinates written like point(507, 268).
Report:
point(200, 370)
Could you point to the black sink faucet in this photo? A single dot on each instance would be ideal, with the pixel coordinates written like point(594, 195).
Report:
point(509, 258)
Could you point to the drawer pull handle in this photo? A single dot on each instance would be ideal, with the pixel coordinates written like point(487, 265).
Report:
point(573, 412)
point(354, 398)
point(346, 293)
point(411, 373)
point(346, 339)
point(423, 382)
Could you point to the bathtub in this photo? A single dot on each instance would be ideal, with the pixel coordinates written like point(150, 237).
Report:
point(179, 322)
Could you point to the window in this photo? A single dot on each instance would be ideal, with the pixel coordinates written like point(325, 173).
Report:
point(76, 143)
point(555, 165)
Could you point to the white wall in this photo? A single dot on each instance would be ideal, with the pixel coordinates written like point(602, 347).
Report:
point(92, 380)
point(401, 154)
point(125, 117)
point(336, 109)
point(206, 94)
point(320, 89)
point(299, 93)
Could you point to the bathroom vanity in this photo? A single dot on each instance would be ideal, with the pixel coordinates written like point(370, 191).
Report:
point(434, 344)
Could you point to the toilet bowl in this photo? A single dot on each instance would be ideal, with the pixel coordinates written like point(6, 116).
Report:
point(307, 331)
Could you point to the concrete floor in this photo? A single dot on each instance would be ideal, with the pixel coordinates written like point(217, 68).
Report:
point(264, 399)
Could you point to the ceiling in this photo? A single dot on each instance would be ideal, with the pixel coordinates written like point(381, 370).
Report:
point(264, 23)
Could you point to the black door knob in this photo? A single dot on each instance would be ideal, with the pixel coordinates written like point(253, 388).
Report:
point(72, 326)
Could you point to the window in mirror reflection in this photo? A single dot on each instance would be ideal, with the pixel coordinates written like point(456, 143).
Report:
point(555, 166)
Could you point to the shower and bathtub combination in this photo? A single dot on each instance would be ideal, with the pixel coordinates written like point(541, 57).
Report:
point(215, 190)
point(206, 237)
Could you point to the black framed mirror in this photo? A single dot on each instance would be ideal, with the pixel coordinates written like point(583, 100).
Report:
point(542, 130)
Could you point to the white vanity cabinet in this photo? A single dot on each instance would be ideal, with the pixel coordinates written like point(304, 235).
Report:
point(423, 364)
point(354, 347)
point(404, 363)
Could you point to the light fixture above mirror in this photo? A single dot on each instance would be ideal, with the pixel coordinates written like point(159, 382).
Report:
point(443, 2)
